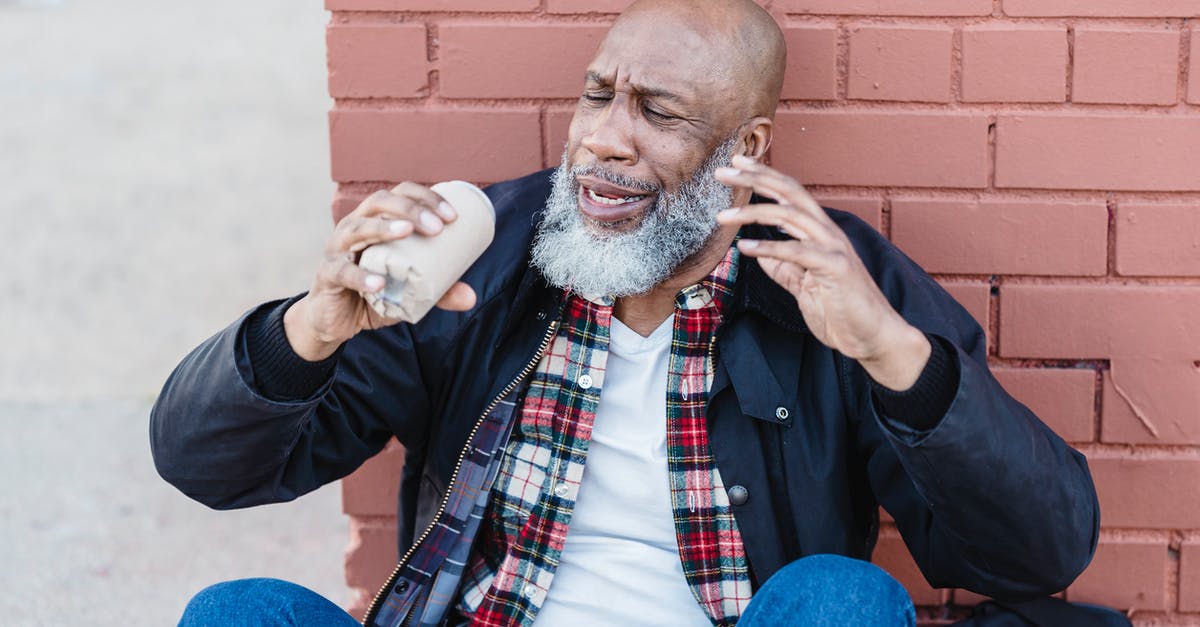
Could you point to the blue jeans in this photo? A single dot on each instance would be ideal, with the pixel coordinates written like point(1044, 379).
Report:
point(816, 591)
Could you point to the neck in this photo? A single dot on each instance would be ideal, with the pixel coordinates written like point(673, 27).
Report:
point(645, 312)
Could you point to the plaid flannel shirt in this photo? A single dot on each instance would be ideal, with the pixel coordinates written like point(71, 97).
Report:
point(527, 519)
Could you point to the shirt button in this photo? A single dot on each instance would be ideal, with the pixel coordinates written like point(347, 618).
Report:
point(738, 495)
point(561, 489)
point(585, 381)
point(781, 413)
point(530, 592)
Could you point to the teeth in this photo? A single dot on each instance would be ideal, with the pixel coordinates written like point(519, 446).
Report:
point(601, 200)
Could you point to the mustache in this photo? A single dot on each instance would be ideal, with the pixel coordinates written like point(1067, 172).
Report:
point(620, 180)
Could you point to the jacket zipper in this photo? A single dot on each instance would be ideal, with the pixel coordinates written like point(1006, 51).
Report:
point(373, 609)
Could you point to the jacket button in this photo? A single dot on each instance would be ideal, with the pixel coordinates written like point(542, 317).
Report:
point(402, 587)
point(738, 495)
point(781, 414)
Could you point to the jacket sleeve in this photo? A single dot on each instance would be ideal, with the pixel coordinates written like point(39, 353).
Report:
point(217, 437)
point(989, 498)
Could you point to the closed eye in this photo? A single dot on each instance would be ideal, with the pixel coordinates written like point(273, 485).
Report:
point(596, 99)
point(653, 113)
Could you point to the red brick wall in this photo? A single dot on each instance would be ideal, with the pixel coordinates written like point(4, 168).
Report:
point(1042, 157)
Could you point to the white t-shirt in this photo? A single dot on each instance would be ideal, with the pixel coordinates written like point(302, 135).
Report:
point(620, 563)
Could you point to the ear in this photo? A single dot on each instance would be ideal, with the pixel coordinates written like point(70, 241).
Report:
point(757, 138)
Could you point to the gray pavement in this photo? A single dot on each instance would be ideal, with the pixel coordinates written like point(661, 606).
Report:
point(163, 167)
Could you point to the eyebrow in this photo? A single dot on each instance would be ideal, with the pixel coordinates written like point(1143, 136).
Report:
point(653, 92)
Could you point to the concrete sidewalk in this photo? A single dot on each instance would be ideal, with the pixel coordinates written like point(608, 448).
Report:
point(164, 167)
point(94, 537)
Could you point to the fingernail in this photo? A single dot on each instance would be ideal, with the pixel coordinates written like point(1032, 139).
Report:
point(374, 282)
point(447, 212)
point(430, 222)
point(748, 244)
point(400, 226)
point(742, 160)
point(726, 213)
point(728, 172)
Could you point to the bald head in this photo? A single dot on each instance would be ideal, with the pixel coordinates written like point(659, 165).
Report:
point(674, 85)
point(739, 42)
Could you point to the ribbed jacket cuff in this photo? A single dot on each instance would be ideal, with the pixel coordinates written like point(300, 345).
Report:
point(922, 406)
point(279, 373)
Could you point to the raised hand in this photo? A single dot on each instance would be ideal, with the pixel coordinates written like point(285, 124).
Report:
point(334, 311)
point(840, 302)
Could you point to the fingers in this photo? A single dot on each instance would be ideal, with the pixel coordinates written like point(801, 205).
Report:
point(342, 272)
point(460, 298)
point(389, 215)
point(420, 211)
point(427, 198)
point(795, 252)
point(355, 233)
point(773, 184)
point(799, 225)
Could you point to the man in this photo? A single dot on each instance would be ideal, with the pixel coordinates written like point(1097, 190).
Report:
point(654, 400)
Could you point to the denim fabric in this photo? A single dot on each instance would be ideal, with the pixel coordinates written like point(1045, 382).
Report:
point(816, 591)
point(262, 603)
point(830, 591)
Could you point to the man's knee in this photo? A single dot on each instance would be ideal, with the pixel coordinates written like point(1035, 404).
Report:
point(831, 590)
point(251, 602)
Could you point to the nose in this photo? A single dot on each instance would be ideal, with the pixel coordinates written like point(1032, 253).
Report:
point(610, 138)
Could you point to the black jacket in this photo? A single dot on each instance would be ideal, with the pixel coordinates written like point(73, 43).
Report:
point(989, 499)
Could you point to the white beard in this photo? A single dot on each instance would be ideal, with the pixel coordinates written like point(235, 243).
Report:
point(574, 256)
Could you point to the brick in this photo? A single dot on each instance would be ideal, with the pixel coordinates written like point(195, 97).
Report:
point(1102, 8)
point(1127, 574)
point(1189, 577)
point(587, 6)
point(883, 149)
point(433, 145)
point(1064, 398)
point(489, 6)
point(371, 554)
point(1148, 493)
point(377, 60)
point(1002, 63)
point(1151, 401)
point(1102, 152)
point(1193, 95)
point(974, 296)
point(374, 488)
point(359, 600)
point(886, 7)
point(1126, 66)
point(1003, 237)
point(812, 63)
point(911, 64)
point(892, 556)
point(1158, 240)
point(870, 210)
point(499, 60)
point(1156, 396)
point(558, 123)
point(1155, 323)
point(966, 598)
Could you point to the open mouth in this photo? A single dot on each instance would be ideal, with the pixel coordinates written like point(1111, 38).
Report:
point(612, 200)
point(606, 203)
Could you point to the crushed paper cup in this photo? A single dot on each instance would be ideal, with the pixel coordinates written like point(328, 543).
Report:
point(420, 269)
